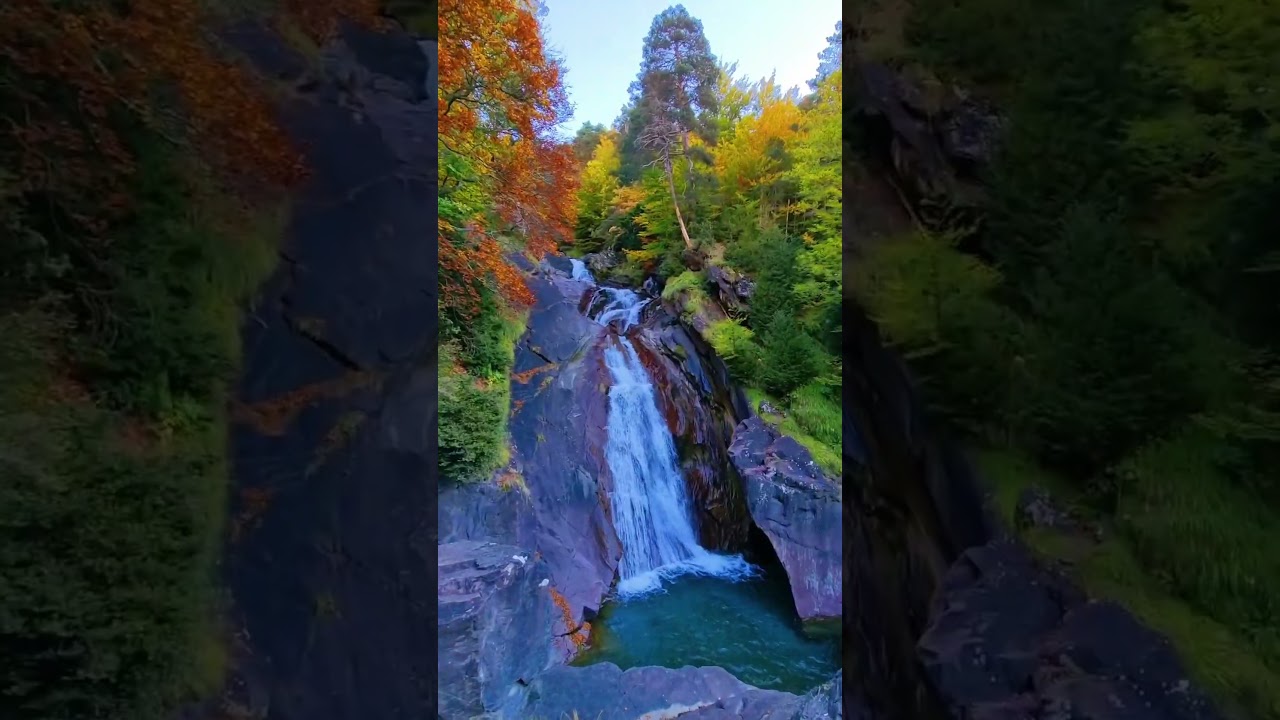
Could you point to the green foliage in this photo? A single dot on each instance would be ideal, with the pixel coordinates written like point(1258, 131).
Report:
point(736, 345)
point(818, 412)
point(1208, 539)
point(472, 423)
point(791, 357)
point(112, 509)
point(686, 282)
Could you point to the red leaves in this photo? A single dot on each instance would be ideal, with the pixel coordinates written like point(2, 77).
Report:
point(76, 70)
point(501, 95)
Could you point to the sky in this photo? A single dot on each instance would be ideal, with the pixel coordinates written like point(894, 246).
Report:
point(600, 43)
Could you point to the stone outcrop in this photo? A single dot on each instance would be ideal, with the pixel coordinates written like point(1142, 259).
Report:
point(496, 619)
point(932, 142)
point(1010, 639)
point(328, 568)
point(798, 508)
point(559, 414)
point(605, 692)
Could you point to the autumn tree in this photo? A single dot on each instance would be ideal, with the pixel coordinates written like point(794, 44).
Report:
point(598, 185)
point(502, 170)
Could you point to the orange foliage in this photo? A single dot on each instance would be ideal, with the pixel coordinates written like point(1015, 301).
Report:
point(501, 95)
point(75, 70)
point(582, 633)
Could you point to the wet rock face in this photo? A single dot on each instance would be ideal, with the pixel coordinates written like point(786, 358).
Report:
point(701, 407)
point(1010, 639)
point(605, 692)
point(495, 619)
point(798, 508)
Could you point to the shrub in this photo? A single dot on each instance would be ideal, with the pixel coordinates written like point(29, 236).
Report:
point(736, 345)
point(791, 357)
point(472, 422)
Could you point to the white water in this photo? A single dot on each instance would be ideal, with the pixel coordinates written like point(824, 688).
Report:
point(623, 307)
point(650, 502)
point(580, 271)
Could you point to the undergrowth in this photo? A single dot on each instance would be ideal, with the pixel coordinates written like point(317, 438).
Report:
point(813, 418)
point(1180, 560)
point(112, 446)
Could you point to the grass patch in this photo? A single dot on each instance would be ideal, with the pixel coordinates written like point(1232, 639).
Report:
point(113, 452)
point(810, 426)
point(1136, 566)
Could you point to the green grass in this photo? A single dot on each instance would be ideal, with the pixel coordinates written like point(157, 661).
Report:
point(113, 450)
point(811, 425)
point(1136, 566)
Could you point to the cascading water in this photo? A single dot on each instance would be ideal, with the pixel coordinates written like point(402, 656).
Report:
point(650, 503)
point(580, 271)
point(723, 611)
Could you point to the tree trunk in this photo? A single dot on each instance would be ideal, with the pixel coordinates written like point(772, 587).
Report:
point(671, 183)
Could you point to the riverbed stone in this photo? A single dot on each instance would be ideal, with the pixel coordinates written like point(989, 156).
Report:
point(606, 692)
point(797, 506)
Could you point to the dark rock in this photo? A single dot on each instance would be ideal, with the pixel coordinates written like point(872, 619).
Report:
point(495, 623)
point(911, 506)
point(701, 406)
point(971, 133)
point(745, 287)
point(933, 148)
point(798, 508)
point(1009, 638)
point(605, 692)
point(329, 566)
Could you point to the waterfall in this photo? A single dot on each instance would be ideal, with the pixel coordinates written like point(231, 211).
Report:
point(580, 271)
point(650, 503)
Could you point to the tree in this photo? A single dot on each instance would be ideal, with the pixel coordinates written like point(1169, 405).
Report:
point(599, 183)
point(501, 96)
point(675, 93)
point(791, 357)
point(830, 58)
point(586, 140)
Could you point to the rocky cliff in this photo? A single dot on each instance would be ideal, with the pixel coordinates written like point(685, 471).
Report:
point(329, 567)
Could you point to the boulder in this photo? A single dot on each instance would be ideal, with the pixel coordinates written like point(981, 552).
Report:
point(1010, 639)
point(797, 506)
point(601, 262)
point(496, 620)
point(606, 692)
